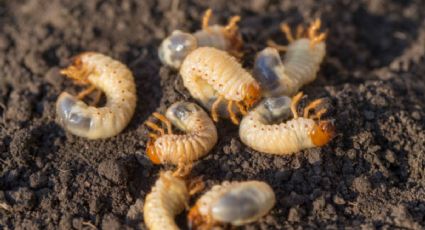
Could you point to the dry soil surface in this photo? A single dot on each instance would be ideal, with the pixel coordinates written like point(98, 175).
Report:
point(371, 175)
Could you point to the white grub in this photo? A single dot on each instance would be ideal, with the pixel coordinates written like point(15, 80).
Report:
point(174, 49)
point(168, 198)
point(213, 76)
point(235, 203)
point(299, 66)
point(198, 138)
point(274, 126)
point(111, 77)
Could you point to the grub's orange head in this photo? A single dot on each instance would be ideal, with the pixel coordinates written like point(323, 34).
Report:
point(252, 94)
point(194, 219)
point(322, 133)
point(152, 152)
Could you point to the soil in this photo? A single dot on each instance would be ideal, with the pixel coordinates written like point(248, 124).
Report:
point(372, 175)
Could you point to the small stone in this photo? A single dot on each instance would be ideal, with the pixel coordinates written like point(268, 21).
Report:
point(294, 215)
point(314, 157)
point(390, 156)
point(245, 165)
point(338, 200)
point(416, 115)
point(111, 222)
point(319, 204)
point(361, 185)
point(77, 223)
point(279, 162)
point(235, 146)
point(134, 215)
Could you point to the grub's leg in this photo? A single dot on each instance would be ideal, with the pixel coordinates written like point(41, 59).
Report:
point(183, 167)
point(231, 33)
point(214, 108)
point(154, 127)
point(241, 108)
point(287, 31)
point(318, 114)
point(295, 101)
point(278, 47)
point(311, 106)
point(300, 31)
point(236, 53)
point(196, 185)
point(321, 37)
point(231, 113)
point(97, 97)
point(77, 72)
point(152, 153)
point(206, 19)
point(314, 26)
point(313, 35)
point(232, 24)
point(165, 120)
point(86, 92)
point(153, 136)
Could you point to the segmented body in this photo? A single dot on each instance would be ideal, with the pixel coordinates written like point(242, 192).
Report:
point(174, 49)
point(274, 127)
point(214, 37)
point(236, 203)
point(209, 73)
point(116, 81)
point(299, 67)
point(200, 135)
point(284, 138)
point(169, 197)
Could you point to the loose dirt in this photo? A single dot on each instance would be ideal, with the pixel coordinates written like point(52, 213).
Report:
point(371, 175)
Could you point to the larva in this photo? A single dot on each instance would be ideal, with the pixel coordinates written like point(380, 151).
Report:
point(108, 75)
point(212, 75)
point(178, 45)
point(169, 197)
point(300, 64)
point(200, 135)
point(263, 130)
point(235, 203)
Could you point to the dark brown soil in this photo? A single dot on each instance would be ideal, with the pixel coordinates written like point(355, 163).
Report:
point(372, 175)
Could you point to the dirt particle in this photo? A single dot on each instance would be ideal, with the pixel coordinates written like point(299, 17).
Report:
point(111, 222)
point(22, 198)
point(294, 215)
point(314, 157)
point(38, 180)
point(416, 115)
point(134, 216)
point(20, 146)
point(235, 146)
point(361, 184)
point(20, 106)
point(114, 171)
point(390, 156)
point(338, 200)
point(65, 222)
